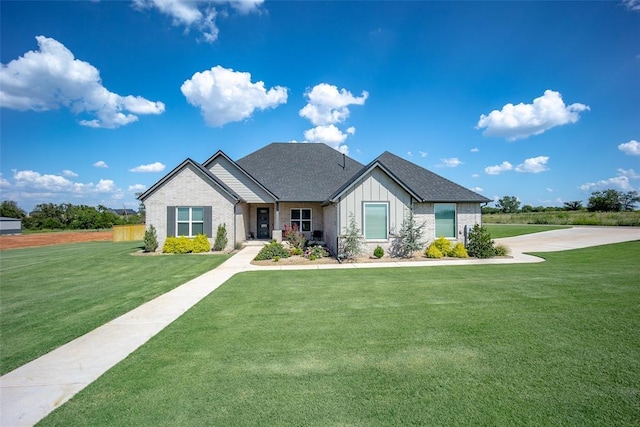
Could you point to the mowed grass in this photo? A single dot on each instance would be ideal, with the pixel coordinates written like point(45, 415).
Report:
point(498, 231)
point(555, 343)
point(51, 295)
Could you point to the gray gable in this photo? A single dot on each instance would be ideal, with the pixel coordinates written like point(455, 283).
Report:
point(426, 184)
point(300, 172)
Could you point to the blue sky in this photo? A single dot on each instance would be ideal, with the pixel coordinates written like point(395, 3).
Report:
point(539, 100)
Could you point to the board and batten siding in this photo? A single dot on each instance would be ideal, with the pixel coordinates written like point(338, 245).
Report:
point(239, 182)
point(374, 186)
point(190, 188)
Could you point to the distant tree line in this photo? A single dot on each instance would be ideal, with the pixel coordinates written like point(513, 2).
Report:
point(600, 201)
point(66, 216)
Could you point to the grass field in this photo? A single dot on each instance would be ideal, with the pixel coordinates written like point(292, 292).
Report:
point(498, 231)
point(53, 294)
point(555, 343)
point(565, 218)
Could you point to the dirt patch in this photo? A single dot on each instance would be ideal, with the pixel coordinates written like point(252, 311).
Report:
point(48, 239)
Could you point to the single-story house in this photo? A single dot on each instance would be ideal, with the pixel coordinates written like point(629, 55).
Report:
point(10, 225)
point(311, 186)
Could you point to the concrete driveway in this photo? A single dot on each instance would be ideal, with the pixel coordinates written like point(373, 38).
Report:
point(569, 238)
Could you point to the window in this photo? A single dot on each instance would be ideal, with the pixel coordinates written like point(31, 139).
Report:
point(376, 221)
point(445, 220)
point(190, 221)
point(301, 218)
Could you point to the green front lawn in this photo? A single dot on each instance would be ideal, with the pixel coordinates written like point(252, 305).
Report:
point(53, 294)
point(555, 343)
point(509, 230)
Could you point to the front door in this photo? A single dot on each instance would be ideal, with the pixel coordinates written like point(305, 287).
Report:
point(263, 223)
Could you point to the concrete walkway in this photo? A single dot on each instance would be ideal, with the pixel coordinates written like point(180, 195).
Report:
point(32, 391)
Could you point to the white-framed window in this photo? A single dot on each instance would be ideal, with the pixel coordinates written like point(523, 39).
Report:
point(189, 221)
point(445, 220)
point(301, 217)
point(376, 220)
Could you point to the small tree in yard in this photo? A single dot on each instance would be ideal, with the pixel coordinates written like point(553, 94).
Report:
point(221, 238)
point(410, 237)
point(480, 244)
point(352, 242)
point(508, 204)
point(150, 239)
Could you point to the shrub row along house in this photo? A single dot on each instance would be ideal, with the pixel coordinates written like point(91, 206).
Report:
point(309, 186)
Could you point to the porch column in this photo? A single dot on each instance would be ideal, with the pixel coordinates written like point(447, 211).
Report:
point(276, 219)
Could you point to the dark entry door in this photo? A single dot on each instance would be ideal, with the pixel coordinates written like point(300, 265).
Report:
point(263, 223)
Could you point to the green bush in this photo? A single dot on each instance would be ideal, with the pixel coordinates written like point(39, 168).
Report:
point(433, 251)
point(410, 237)
point(501, 250)
point(351, 243)
point(295, 251)
point(272, 250)
point(443, 244)
point(480, 244)
point(315, 252)
point(459, 251)
point(150, 239)
point(200, 244)
point(221, 238)
point(378, 252)
point(177, 245)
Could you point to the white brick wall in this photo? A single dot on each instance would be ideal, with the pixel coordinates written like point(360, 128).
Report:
point(190, 187)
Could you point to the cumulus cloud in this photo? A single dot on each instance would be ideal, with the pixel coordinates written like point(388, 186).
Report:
point(621, 181)
point(409, 153)
point(474, 150)
point(533, 165)
point(452, 162)
point(523, 120)
point(498, 169)
point(69, 173)
point(632, 4)
point(100, 164)
point(136, 188)
point(631, 148)
point(327, 106)
point(199, 15)
point(29, 181)
point(225, 96)
point(51, 77)
point(423, 153)
point(151, 167)
point(477, 189)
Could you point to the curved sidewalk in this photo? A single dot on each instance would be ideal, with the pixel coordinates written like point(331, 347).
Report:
point(32, 391)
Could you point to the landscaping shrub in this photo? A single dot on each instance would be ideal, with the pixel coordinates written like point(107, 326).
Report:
point(200, 244)
point(315, 252)
point(177, 245)
point(295, 251)
point(378, 252)
point(443, 244)
point(480, 244)
point(150, 239)
point(433, 251)
point(351, 244)
point(272, 250)
point(459, 251)
point(410, 237)
point(221, 238)
point(295, 238)
point(501, 250)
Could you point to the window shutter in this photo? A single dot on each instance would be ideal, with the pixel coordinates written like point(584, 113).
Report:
point(208, 221)
point(171, 221)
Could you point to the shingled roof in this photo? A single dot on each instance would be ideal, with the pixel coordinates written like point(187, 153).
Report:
point(299, 172)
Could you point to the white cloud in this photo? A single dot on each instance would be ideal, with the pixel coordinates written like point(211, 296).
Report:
point(409, 153)
point(533, 165)
point(51, 78)
point(451, 162)
point(632, 4)
point(550, 190)
point(199, 15)
point(30, 181)
point(151, 167)
point(100, 164)
point(330, 135)
point(523, 120)
point(477, 189)
point(136, 188)
point(225, 96)
point(423, 153)
point(475, 175)
point(4, 182)
point(622, 181)
point(498, 169)
point(70, 174)
point(474, 150)
point(631, 148)
point(326, 105)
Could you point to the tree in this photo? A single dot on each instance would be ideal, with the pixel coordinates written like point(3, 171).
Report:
point(10, 209)
point(605, 201)
point(409, 238)
point(574, 205)
point(221, 238)
point(628, 200)
point(508, 204)
point(351, 242)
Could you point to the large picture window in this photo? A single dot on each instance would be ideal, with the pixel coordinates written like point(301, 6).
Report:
point(445, 220)
point(376, 221)
point(190, 221)
point(301, 218)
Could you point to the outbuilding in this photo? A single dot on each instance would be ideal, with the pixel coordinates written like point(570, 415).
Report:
point(10, 225)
